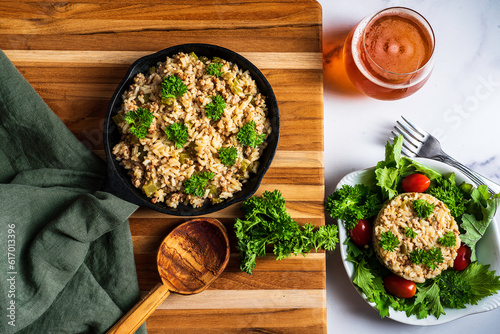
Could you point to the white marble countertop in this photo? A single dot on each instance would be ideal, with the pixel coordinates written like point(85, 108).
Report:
point(460, 104)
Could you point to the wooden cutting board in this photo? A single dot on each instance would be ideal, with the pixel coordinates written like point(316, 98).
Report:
point(75, 53)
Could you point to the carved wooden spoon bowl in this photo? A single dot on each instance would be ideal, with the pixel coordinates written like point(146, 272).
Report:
point(190, 258)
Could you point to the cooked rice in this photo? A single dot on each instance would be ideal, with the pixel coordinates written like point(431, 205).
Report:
point(155, 158)
point(399, 214)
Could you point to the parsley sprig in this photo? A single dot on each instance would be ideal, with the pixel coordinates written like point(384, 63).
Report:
point(178, 133)
point(197, 184)
point(141, 120)
point(410, 233)
point(215, 109)
point(228, 155)
point(172, 87)
point(422, 208)
point(448, 240)
point(214, 69)
point(388, 241)
point(247, 135)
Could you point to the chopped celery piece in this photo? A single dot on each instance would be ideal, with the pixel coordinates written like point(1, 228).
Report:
point(212, 189)
point(192, 54)
point(152, 69)
point(216, 60)
point(234, 86)
point(244, 165)
point(203, 59)
point(146, 97)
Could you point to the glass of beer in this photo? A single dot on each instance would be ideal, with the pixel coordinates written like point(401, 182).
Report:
point(389, 55)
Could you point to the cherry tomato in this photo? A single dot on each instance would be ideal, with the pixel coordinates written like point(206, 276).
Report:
point(462, 260)
point(361, 234)
point(415, 183)
point(399, 286)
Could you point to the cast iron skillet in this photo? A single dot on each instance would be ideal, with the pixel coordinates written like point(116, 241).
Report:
point(119, 183)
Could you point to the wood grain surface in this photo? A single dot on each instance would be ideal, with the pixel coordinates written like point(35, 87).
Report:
point(75, 53)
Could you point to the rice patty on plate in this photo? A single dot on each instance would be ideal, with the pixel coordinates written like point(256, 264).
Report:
point(399, 216)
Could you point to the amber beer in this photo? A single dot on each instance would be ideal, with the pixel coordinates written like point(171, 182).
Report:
point(389, 55)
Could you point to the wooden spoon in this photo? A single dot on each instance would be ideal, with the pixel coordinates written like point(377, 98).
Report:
point(190, 258)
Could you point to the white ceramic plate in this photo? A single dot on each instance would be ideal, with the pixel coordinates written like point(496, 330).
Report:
point(488, 252)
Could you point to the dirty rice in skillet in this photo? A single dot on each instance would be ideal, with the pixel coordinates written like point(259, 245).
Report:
point(156, 165)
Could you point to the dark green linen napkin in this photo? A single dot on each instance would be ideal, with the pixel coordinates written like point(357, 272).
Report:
point(66, 263)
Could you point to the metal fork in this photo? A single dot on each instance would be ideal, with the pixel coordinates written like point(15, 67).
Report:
point(420, 143)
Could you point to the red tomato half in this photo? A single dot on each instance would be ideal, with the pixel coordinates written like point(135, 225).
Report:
point(415, 183)
point(462, 260)
point(400, 287)
point(361, 234)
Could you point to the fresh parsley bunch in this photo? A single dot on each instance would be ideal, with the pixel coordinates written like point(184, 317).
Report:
point(247, 135)
point(141, 120)
point(267, 222)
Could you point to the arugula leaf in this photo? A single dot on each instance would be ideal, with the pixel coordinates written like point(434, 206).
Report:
point(475, 225)
point(483, 282)
point(197, 184)
point(215, 109)
point(426, 301)
point(394, 168)
point(422, 208)
point(267, 222)
point(388, 241)
point(178, 133)
point(141, 120)
point(247, 135)
point(352, 203)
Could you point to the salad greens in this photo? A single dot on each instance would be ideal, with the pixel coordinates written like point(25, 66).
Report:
point(472, 208)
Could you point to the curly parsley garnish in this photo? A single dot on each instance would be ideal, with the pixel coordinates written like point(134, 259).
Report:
point(228, 155)
point(214, 69)
point(448, 240)
point(178, 133)
point(429, 258)
point(197, 184)
point(215, 109)
point(352, 203)
point(141, 120)
point(422, 208)
point(248, 136)
point(410, 233)
point(171, 88)
point(388, 241)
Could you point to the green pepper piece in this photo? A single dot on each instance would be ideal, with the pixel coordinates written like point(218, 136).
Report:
point(118, 118)
point(149, 188)
point(192, 54)
point(183, 157)
point(168, 101)
point(152, 69)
